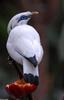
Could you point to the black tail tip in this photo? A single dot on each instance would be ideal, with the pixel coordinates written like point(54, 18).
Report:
point(29, 78)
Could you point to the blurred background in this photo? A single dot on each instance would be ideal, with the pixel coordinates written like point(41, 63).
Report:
point(50, 24)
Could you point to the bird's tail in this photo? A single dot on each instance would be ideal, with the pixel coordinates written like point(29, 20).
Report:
point(31, 74)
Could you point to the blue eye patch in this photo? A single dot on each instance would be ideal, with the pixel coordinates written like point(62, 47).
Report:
point(23, 17)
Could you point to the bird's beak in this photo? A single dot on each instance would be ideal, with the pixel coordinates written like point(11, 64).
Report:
point(35, 12)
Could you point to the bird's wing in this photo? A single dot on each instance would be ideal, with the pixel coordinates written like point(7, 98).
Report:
point(38, 50)
point(24, 47)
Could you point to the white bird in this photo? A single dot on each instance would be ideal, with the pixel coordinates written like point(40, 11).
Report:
point(24, 45)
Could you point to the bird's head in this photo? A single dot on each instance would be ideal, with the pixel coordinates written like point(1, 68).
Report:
point(20, 19)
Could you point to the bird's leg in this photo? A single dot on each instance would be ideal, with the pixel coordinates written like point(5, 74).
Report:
point(18, 70)
point(11, 61)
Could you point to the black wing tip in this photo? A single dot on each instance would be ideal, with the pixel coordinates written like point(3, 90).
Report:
point(32, 60)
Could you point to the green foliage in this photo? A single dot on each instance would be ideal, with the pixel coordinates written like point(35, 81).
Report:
point(3, 29)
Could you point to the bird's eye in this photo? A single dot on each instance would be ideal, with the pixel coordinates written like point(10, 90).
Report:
point(22, 18)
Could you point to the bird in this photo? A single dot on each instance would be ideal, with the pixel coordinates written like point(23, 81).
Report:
point(24, 45)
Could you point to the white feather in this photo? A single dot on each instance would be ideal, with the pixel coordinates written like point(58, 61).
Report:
point(24, 40)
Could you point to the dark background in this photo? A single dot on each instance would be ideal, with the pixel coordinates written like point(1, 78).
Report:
point(50, 24)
